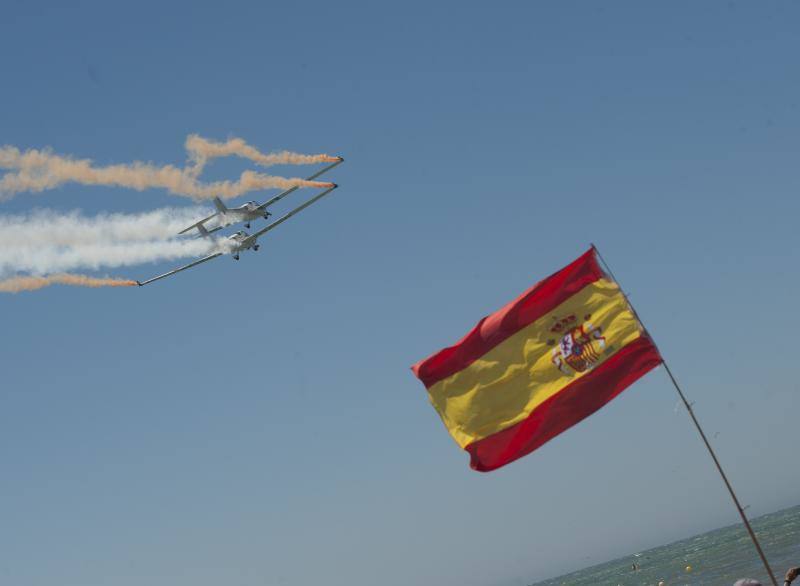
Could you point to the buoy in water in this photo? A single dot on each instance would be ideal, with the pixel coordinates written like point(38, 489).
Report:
point(688, 568)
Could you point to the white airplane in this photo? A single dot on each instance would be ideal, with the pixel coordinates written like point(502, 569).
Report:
point(227, 216)
point(252, 210)
point(236, 243)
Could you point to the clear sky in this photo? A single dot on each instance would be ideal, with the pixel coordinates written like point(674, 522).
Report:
point(257, 424)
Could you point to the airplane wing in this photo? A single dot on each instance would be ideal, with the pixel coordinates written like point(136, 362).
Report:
point(254, 236)
point(206, 233)
point(200, 223)
point(179, 269)
point(280, 196)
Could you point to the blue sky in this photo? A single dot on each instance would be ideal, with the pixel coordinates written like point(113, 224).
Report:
point(256, 423)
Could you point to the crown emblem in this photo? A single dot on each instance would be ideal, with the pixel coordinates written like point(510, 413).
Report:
point(564, 323)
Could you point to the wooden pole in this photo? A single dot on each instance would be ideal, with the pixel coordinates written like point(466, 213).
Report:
point(699, 429)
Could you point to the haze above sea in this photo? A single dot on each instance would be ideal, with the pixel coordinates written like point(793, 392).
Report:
point(718, 558)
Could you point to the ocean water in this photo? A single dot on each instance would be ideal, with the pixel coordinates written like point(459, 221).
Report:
point(718, 558)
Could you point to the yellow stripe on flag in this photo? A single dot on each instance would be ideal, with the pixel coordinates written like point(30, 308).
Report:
point(505, 385)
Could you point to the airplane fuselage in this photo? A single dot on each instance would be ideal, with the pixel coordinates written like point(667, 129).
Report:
point(240, 241)
point(243, 213)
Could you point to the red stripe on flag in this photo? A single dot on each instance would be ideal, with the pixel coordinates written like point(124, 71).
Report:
point(566, 408)
point(497, 327)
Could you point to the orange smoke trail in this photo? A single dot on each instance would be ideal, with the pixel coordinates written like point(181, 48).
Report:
point(40, 170)
point(201, 150)
point(29, 283)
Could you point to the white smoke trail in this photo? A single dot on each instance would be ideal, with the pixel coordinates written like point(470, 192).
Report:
point(39, 170)
point(50, 259)
point(51, 228)
point(46, 242)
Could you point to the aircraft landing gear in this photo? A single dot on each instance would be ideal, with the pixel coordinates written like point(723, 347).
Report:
point(236, 257)
point(247, 225)
point(256, 247)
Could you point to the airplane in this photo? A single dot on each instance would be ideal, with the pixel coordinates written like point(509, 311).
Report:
point(227, 216)
point(252, 210)
point(239, 241)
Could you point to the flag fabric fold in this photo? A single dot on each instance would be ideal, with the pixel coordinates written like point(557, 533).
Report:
point(539, 365)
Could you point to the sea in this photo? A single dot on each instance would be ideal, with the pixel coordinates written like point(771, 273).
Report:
point(717, 558)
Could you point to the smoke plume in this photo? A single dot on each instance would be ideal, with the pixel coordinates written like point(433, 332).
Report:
point(202, 150)
point(39, 170)
point(45, 227)
point(19, 284)
point(47, 242)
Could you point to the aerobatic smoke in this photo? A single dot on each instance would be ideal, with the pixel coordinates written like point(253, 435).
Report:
point(19, 284)
point(46, 242)
point(37, 249)
point(48, 259)
point(202, 150)
point(51, 228)
point(39, 170)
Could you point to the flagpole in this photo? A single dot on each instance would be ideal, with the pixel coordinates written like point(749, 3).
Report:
point(697, 425)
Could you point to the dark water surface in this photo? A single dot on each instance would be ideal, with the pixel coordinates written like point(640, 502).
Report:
point(718, 557)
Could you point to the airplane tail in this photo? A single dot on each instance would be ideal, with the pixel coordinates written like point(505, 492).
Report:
point(202, 229)
point(220, 206)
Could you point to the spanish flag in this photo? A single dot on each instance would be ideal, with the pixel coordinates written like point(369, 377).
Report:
point(539, 365)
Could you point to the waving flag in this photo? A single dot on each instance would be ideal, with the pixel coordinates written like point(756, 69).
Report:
point(539, 365)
